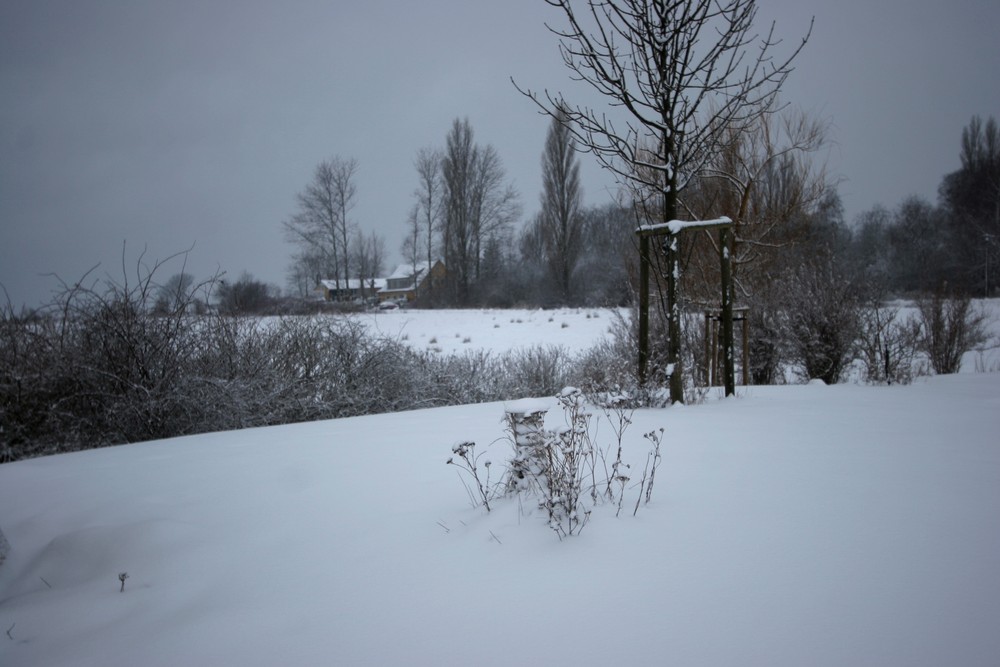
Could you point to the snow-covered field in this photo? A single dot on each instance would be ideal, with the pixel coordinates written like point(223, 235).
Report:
point(459, 331)
point(795, 525)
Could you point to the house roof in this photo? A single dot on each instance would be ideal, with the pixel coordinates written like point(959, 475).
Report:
point(411, 271)
point(354, 283)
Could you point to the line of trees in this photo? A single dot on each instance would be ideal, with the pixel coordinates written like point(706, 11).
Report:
point(330, 245)
point(919, 245)
point(466, 213)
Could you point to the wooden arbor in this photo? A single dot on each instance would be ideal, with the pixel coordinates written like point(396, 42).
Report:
point(670, 231)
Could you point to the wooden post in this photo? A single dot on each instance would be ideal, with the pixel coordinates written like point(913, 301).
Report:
point(708, 349)
point(729, 372)
point(715, 352)
point(746, 349)
point(643, 308)
point(672, 230)
point(671, 244)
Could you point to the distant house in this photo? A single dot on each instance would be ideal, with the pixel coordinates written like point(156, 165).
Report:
point(409, 281)
point(350, 290)
point(406, 283)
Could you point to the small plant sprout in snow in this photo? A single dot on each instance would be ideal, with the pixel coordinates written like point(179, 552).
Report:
point(652, 461)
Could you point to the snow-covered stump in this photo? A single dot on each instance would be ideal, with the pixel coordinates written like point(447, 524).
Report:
point(526, 421)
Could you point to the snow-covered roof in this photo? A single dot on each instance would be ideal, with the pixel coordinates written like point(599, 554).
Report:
point(410, 271)
point(354, 284)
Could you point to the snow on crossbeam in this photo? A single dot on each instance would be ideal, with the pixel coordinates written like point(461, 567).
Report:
point(678, 226)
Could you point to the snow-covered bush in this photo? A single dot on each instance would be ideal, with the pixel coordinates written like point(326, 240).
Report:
point(949, 327)
point(536, 371)
point(822, 307)
point(610, 366)
point(98, 365)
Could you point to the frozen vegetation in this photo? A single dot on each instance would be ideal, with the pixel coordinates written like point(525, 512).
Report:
point(791, 525)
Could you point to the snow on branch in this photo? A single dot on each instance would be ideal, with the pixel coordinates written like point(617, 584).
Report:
point(678, 226)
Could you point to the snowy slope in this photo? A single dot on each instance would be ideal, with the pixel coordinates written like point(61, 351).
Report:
point(800, 525)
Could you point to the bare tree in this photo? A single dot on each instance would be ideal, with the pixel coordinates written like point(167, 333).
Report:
point(684, 73)
point(495, 204)
point(456, 231)
point(476, 204)
point(429, 196)
point(764, 179)
point(971, 196)
point(560, 218)
point(306, 270)
point(174, 294)
point(412, 245)
point(321, 226)
point(369, 258)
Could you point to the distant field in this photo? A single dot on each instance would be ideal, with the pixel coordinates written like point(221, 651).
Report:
point(459, 331)
point(576, 329)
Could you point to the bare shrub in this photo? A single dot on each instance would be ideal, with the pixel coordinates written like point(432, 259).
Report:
point(949, 327)
point(821, 318)
point(610, 366)
point(98, 366)
point(536, 371)
point(887, 344)
point(558, 468)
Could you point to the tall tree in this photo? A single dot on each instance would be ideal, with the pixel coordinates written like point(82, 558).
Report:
point(369, 259)
point(476, 204)
point(971, 196)
point(412, 245)
point(429, 194)
point(683, 72)
point(457, 167)
point(174, 294)
point(561, 220)
point(321, 226)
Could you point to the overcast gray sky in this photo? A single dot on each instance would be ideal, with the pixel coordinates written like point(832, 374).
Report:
point(171, 124)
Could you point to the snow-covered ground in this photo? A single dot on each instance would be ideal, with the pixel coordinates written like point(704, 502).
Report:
point(795, 525)
point(459, 331)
